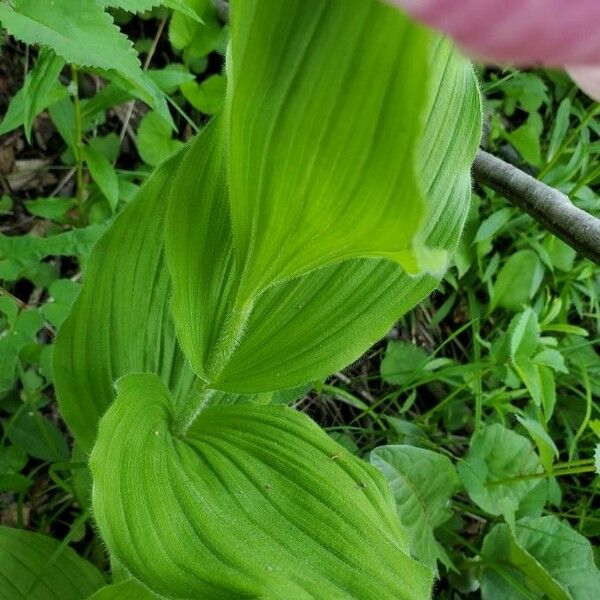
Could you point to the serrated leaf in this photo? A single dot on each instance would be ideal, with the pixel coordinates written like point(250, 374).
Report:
point(135, 6)
point(93, 41)
point(243, 477)
point(545, 556)
point(36, 567)
point(422, 483)
point(496, 468)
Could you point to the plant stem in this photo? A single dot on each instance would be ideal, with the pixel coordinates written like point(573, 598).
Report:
point(147, 61)
point(78, 141)
point(592, 112)
point(192, 407)
point(559, 471)
point(474, 314)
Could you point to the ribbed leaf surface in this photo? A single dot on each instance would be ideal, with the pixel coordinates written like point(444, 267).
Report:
point(323, 136)
point(127, 590)
point(121, 321)
point(255, 501)
point(35, 567)
point(307, 327)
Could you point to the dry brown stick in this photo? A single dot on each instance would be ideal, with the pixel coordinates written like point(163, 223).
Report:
point(546, 205)
point(149, 56)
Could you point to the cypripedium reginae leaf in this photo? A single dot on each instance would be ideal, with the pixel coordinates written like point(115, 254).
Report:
point(121, 321)
point(304, 328)
point(126, 590)
point(36, 567)
point(252, 502)
point(323, 136)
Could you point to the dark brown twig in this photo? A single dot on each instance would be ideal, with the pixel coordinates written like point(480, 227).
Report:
point(546, 205)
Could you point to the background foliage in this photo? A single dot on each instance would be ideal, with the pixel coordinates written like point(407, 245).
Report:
point(489, 387)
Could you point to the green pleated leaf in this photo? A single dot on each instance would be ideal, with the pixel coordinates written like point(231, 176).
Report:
point(254, 501)
point(36, 567)
point(121, 322)
point(325, 117)
point(298, 331)
point(305, 328)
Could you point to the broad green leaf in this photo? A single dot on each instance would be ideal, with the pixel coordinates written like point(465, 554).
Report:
point(17, 253)
point(93, 40)
point(545, 556)
point(12, 459)
point(171, 77)
point(526, 139)
point(401, 362)
point(36, 567)
point(126, 590)
point(131, 5)
point(121, 321)
point(305, 328)
point(524, 335)
point(422, 483)
point(496, 468)
point(323, 160)
point(316, 324)
point(6, 204)
point(196, 38)
point(264, 478)
point(492, 224)
point(518, 280)
point(104, 175)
